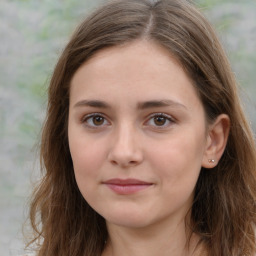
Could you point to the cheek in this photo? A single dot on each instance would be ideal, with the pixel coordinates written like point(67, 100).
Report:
point(179, 159)
point(87, 162)
point(87, 158)
point(179, 149)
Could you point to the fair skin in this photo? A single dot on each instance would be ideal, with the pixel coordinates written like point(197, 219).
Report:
point(138, 138)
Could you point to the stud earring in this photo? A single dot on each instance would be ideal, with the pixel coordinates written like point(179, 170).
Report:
point(211, 161)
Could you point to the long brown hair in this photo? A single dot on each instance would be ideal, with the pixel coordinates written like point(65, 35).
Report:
point(223, 212)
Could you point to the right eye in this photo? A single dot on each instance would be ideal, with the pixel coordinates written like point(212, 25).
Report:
point(95, 120)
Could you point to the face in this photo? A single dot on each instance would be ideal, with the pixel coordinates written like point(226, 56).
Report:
point(137, 135)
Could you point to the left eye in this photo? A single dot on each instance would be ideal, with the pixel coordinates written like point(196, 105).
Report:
point(160, 120)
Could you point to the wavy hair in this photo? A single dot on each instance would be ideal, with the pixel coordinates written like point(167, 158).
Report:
point(223, 211)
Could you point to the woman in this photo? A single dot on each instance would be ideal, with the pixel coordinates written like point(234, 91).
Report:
point(145, 148)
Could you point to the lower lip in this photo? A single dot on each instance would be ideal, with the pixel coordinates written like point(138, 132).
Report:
point(128, 189)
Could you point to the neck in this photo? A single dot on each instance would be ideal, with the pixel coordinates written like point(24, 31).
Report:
point(151, 241)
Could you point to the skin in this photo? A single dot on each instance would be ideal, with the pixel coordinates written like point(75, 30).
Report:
point(148, 124)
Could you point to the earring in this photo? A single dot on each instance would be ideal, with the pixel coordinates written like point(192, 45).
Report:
point(211, 161)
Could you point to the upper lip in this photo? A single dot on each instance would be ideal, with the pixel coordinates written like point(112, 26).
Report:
point(127, 182)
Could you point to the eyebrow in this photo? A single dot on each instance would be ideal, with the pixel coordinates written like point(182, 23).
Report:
point(160, 103)
point(140, 105)
point(92, 103)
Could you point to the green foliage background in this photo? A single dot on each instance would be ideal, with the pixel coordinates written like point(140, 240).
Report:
point(33, 33)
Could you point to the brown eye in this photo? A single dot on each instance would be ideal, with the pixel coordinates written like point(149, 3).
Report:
point(159, 120)
point(95, 120)
point(98, 120)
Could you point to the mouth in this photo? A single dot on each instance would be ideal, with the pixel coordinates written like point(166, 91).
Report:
point(127, 186)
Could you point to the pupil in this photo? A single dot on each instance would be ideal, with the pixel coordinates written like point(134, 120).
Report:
point(159, 120)
point(98, 120)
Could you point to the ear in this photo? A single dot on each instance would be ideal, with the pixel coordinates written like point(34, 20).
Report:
point(217, 137)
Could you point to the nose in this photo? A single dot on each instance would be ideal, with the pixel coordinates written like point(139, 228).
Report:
point(125, 150)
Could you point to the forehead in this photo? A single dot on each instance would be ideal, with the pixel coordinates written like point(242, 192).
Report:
point(142, 69)
point(139, 51)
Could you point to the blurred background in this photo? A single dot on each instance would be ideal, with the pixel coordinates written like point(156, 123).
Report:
point(32, 36)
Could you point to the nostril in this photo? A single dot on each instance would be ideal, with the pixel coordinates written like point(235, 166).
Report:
point(124, 163)
point(124, 156)
point(114, 162)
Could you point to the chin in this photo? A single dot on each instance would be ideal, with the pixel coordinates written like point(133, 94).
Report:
point(129, 220)
point(128, 224)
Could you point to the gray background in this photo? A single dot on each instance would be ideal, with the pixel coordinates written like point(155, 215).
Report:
point(32, 35)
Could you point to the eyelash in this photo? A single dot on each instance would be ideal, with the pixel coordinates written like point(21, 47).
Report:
point(91, 116)
point(167, 118)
